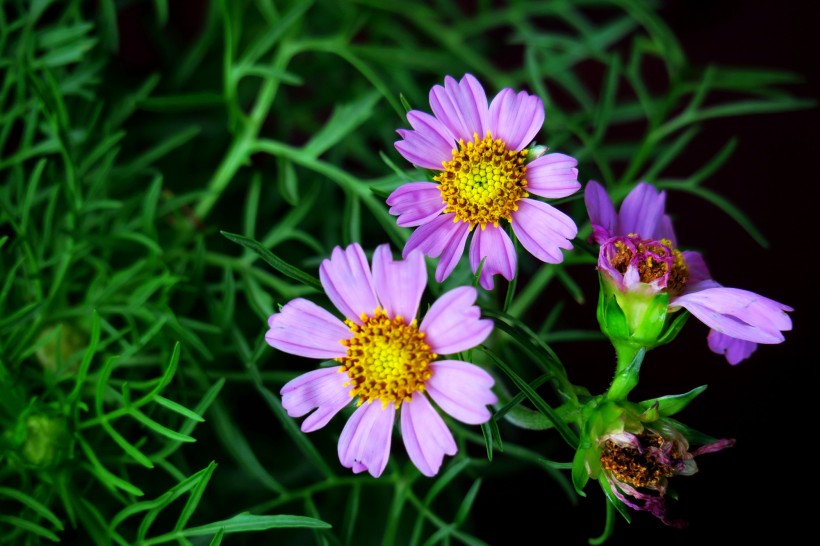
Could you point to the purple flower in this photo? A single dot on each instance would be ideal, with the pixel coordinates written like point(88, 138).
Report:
point(638, 254)
point(637, 466)
point(483, 178)
point(388, 362)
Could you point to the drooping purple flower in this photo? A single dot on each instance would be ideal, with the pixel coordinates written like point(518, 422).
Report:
point(637, 466)
point(388, 361)
point(638, 253)
point(633, 449)
point(484, 178)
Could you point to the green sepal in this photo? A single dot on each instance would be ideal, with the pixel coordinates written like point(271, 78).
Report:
point(580, 475)
point(673, 329)
point(672, 404)
point(611, 317)
point(652, 413)
point(632, 317)
point(534, 152)
point(694, 437)
point(613, 500)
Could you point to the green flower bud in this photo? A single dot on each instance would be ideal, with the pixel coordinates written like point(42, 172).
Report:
point(46, 441)
point(59, 343)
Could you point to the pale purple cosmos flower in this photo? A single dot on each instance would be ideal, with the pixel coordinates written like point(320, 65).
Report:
point(480, 153)
point(388, 362)
point(638, 253)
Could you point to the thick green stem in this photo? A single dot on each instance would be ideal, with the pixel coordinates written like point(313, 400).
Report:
point(630, 358)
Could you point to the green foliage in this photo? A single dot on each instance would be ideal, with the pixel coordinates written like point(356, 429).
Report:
point(155, 211)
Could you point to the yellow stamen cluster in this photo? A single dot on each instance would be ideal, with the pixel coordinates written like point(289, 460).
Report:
point(638, 468)
point(386, 359)
point(483, 182)
point(652, 265)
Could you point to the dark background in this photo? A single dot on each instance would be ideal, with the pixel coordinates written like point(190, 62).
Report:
point(761, 489)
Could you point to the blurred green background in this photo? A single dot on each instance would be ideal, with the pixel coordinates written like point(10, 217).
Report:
point(138, 401)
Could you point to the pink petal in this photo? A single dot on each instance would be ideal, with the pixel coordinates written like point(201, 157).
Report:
point(416, 203)
point(698, 272)
point(365, 440)
point(323, 390)
point(426, 437)
point(429, 144)
point(642, 212)
point(461, 107)
point(452, 252)
point(494, 244)
point(303, 328)
point(399, 284)
point(440, 237)
point(737, 313)
point(418, 151)
point(553, 176)
point(516, 118)
point(601, 212)
point(543, 230)
point(735, 350)
point(453, 323)
point(347, 282)
point(666, 230)
point(462, 389)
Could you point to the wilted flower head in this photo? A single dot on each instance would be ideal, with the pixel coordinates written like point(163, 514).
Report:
point(633, 450)
point(388, 362)
point(484, 178)
point(638, 466)
point(639, 261)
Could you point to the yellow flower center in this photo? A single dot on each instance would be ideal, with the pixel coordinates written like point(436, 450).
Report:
point(386, 359)
point(483, 182)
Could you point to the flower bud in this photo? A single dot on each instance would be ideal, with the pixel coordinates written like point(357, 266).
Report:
point(46, 441)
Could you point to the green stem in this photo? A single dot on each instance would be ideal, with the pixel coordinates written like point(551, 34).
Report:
point(609, 527)
point(241, 148)
point(630, 358)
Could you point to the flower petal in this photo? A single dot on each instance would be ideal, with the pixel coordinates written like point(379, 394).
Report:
point(461, 107)
point(516, 118)
point(553, 176)
point(601, 212)
point(399, 283)
point(737, 313)
point(347, 281)
point(303, 328)
point(642, 212)
point(666, 230)
point(429, 144)
point(323, 390)
point(416, 203)
point(698, 272)
point(735, 350)
point(462, 389)
point(452, 251)
point(495, 245)
point(426, 436)
point(440, 237)
point(365, 440)
point(543, 230)
point(453, 323)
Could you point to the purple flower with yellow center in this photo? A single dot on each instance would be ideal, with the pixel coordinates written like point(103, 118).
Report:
point(639, 261)
point(484, 177)
point(388, 362)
